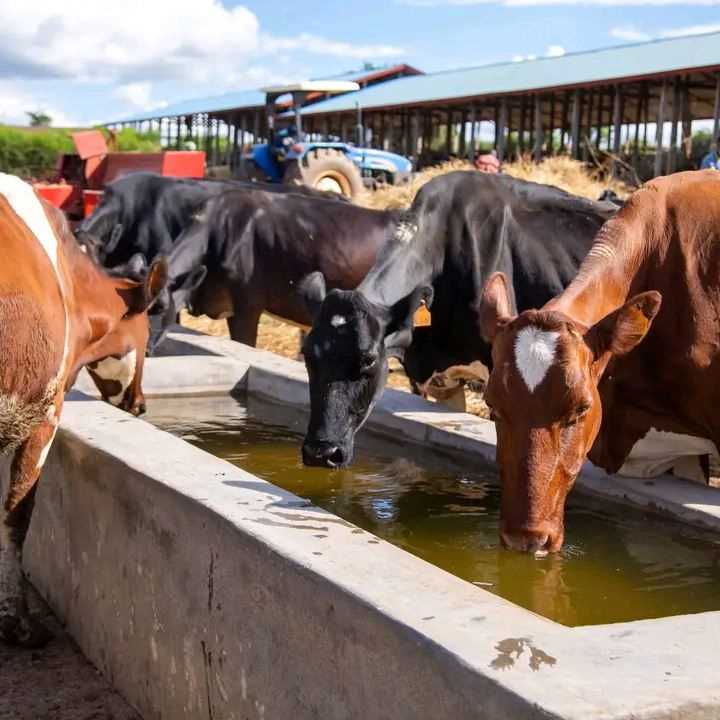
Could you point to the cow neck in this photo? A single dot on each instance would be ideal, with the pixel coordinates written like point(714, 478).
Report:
point(404, 263)
point(610, 269)
point(96, 302)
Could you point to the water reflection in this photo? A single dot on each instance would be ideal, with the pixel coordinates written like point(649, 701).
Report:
point(618, 564)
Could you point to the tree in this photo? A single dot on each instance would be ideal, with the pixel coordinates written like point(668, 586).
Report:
point(39, 119)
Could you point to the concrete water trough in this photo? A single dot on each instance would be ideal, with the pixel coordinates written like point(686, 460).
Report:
point(202, 591)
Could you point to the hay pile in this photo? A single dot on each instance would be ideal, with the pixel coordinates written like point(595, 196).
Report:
point(570, 175)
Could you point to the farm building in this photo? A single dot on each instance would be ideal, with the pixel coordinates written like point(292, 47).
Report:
point(603, 101)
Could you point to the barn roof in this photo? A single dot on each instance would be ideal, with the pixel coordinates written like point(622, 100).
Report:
point(606, 65)
point(250, 99)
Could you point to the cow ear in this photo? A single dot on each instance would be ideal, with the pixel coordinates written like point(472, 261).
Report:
point(136, 267)
point(114, 239)
point(312, 290)
point(194, 278)
point(145, 294)
point(398, 331)
point(620, 331)
point(495, 306)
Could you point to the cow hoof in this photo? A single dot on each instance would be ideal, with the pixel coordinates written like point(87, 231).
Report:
point(23, 631)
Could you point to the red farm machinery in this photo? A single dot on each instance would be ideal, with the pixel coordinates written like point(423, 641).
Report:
point(81, 176)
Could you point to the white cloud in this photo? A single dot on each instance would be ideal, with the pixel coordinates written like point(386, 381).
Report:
point(525, 3)
point(633, 34)
point(189, 39)
point(630, 34)
point(550, 51)
point(16, 102)
point(322, 46)
point(139, 95)
point(555, 51)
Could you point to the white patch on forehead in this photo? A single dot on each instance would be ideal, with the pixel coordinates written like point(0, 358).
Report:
point(29, 209)
point(122, 370)
point(535, 354)
point(338, 320)
point(405, 232)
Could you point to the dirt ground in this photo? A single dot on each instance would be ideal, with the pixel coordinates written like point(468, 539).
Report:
point(55, 683)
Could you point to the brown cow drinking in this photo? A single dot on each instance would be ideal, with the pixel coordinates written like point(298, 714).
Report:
point(558, 370)
point(58, 312)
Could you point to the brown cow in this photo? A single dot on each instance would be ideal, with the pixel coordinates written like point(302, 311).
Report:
point(58, 312)
point(557, 370)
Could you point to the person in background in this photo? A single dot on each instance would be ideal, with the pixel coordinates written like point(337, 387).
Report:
point(711, 160)
point(488, 162)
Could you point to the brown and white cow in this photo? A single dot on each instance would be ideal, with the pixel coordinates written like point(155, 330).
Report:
point(558, 371)
point(58, 312)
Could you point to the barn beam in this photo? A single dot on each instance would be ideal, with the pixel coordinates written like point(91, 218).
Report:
point(575, 125)
point(500, 129)
point(659, 125)
point(538, 125)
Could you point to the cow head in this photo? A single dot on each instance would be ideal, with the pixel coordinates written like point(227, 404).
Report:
point(172, 300)
point(543, 395)
point(97, 244)
point(346, 356)
point(115, 357)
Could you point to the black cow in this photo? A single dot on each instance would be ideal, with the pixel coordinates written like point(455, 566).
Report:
point(256, 247)
point(461, 228)
point(144, 213)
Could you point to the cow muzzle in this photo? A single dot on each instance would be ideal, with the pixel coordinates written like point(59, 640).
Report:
point(324, 454)
point(538, 540)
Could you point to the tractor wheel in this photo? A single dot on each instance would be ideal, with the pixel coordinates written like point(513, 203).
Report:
point(326, 169)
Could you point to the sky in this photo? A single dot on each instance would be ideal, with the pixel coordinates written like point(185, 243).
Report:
point(86, 62)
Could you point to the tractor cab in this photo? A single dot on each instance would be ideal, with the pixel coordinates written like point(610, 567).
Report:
point(329, 164)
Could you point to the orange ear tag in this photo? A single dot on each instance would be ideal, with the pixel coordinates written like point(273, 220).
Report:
point(422, 317)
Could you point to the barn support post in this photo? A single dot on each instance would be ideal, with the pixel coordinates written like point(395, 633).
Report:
point(538, 124)
point(414, 129)
point(564, 121)
point(256, 126)
point(672, 150)
point(234, 151)
point(178, 132)
point(551, 127)
point(686, 114)
point(660, 124)
point(448, 133)
point(588, 124)
point(575, 124)
point(716, 113)
point(638, 121)
point(471, 146)
point(521, 126)
point(463, 129)
point(617, 119)
point(500, 129)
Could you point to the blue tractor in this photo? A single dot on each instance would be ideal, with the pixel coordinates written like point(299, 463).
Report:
point(341, 167)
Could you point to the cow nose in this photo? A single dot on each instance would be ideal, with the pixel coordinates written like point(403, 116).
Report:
point(323, 455)
point(530, 541)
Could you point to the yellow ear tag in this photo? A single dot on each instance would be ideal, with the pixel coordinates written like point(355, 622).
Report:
point(422, 317)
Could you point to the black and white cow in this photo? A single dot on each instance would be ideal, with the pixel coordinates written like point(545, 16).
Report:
point(144, 213)
point(246, 252)
point(461, 228)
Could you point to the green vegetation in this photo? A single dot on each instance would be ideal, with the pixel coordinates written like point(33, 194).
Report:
point(33, 152)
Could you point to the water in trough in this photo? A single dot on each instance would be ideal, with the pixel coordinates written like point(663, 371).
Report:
point(618, 564)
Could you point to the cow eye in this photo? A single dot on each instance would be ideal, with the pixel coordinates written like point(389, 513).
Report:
point(578, 415)
point(368, 362)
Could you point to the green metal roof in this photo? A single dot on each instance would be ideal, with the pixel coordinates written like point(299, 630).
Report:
point(574, 69)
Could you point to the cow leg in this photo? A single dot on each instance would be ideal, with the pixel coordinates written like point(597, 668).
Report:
point(243, 325)
point(23, 469)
